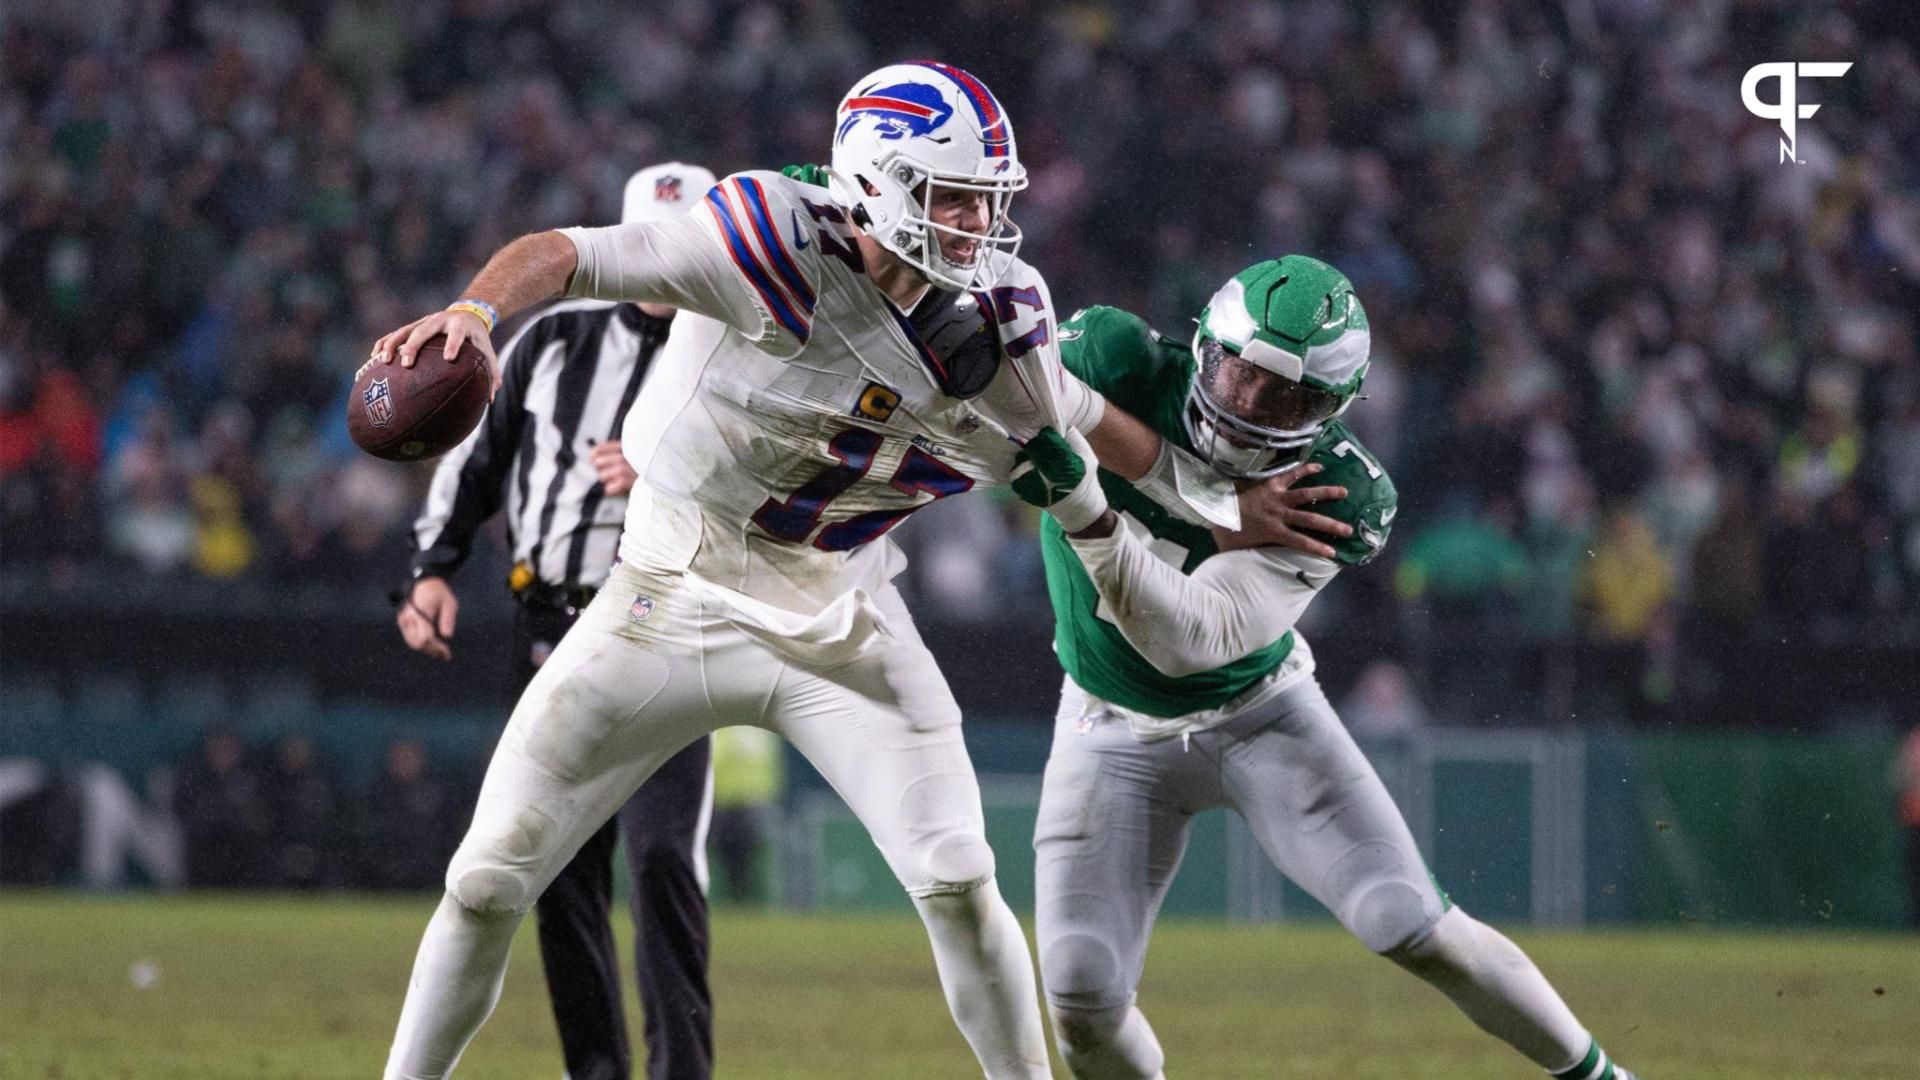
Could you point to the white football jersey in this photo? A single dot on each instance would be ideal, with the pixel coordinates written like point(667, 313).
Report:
point(781, 441)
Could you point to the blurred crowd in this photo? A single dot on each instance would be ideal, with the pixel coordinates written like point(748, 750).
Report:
point(239, 813)
point(290, 811)
point(1644, 386)
point(280, 816)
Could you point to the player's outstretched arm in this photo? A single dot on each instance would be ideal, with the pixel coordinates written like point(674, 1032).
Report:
point(1231, 606)
point(1125, 446)
point(525, 272)
point(1271, 512)
point(1234, 604)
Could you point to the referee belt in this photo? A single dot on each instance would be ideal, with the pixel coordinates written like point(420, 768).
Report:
point(533, 593)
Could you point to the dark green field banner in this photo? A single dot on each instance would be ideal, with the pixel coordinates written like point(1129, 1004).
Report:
point(1766, 829)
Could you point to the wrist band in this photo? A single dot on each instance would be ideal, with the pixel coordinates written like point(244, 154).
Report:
point(1082, 506)
point(480, 308)
point(1087, 502)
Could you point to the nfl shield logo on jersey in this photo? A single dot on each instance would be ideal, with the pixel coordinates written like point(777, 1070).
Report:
point(642, 607)
point(666, 189)
point(379, 402)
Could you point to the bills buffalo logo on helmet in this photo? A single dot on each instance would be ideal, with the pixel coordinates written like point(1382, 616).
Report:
point(666, 189)
point(900, 110)
point(379, 401)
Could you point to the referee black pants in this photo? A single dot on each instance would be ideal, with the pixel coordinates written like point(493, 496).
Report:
point(663, 824)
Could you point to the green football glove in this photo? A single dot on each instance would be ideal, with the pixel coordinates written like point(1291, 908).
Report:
point(1051, 472)
point(807, 174)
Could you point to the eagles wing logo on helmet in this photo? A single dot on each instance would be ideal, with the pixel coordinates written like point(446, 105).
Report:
point(1297, 320)
point(897, 111)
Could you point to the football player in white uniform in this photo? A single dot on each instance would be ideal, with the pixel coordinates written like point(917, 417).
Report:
point(869, 351)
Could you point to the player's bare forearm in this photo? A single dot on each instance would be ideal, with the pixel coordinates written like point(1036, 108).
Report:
point(532, 268)
point(523, 273)
point(1123, 444)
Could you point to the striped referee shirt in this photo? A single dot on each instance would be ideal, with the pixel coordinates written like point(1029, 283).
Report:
point(567, 380)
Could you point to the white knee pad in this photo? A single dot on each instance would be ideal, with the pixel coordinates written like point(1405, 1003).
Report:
point(1082, 974)
point(487, 890)
point(1383, 896)
point(1392, 916)
point(955, 863)
point(497, 875)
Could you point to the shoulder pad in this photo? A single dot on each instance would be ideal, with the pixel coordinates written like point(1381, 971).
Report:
point(764, 223)
point(1371, 503)
point(1101, 338)
point(1109, 348)
point(1020, 304)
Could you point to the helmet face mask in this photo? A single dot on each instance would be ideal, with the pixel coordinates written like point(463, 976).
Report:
point(1281, 351)
point(889, 166)
point(1252, 422)
point(992, 246)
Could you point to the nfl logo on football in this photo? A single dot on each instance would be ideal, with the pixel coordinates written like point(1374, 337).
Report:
point(379, 402)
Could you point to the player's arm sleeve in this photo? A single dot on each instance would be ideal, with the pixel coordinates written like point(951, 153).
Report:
point(731, 258)
point(1034, 389)
point(1235, 603)
point(470, 483)
point(1081, 406)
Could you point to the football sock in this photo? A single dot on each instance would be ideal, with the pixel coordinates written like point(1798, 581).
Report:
point(1494, 983)
point(1108, 1044)
point(1595, 1065)
point(987, 974)
point(456, 982)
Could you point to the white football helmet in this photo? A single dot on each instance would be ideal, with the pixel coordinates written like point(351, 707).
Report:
point(904, 131)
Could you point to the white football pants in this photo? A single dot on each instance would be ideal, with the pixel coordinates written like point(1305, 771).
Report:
point(654, 663)
point(1115, 813)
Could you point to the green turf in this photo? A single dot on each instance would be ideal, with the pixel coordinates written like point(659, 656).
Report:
point(280, 988)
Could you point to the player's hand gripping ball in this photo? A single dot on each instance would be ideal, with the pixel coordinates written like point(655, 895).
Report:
point(408, 413)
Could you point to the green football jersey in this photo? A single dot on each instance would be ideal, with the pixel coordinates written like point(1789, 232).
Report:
point(1148, 376)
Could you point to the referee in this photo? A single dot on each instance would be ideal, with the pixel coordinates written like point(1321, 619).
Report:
point(549, 449)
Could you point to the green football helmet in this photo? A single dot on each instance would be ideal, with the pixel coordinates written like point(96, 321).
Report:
point(1282, 349)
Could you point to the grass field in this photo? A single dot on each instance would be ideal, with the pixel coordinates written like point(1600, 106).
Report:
point(271, 988)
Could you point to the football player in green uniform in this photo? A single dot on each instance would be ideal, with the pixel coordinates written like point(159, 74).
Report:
point(1188, 688)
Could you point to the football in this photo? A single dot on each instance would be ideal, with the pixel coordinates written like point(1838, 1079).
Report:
point(409, 413)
